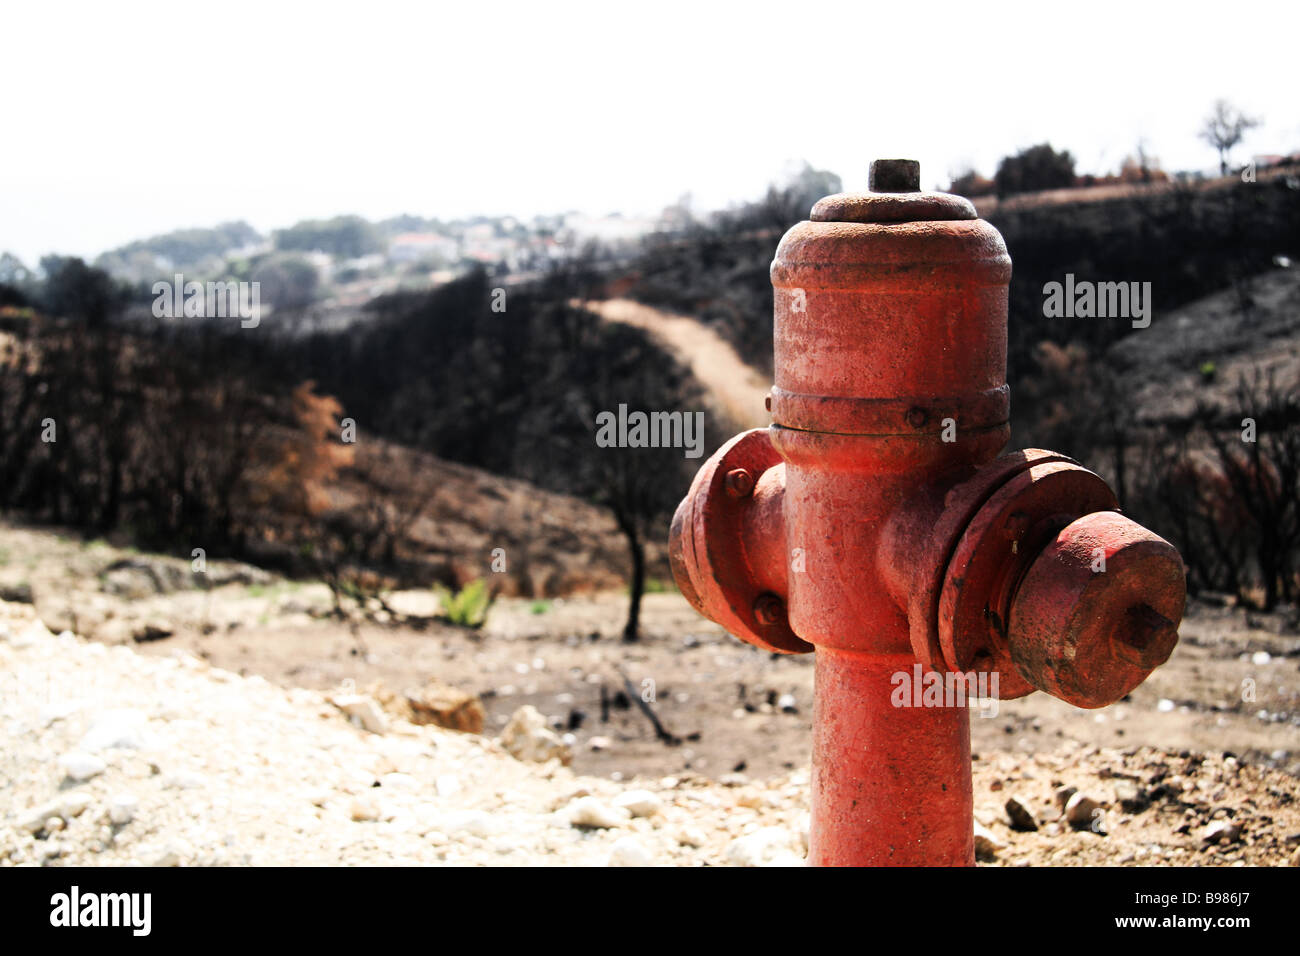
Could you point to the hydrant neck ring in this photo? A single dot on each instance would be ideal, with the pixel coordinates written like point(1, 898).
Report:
point(916, 415)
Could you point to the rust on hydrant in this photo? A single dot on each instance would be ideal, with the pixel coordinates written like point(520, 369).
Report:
point(875, 523)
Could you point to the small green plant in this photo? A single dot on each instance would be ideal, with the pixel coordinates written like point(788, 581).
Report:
point(653, 586)
point(1208, 370)
point(273, 590)
point(352, 588)
point(539, 607)
point(467, 607)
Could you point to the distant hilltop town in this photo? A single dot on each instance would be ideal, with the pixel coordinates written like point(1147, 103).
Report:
point(345, 261)
point(349, 246)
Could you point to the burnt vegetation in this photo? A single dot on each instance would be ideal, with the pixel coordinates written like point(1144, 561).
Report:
point(186, 434)
point(1227, 504)
point(1223, 484)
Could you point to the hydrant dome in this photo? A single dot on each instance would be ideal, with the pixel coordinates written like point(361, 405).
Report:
point(894, 233)
point(892, 207)
point(896, 257)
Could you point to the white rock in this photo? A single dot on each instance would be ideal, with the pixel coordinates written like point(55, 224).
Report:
point(987, 843)
point(526, 737)
point(122, 808)
point(57, 710)
point(1165, 705)
point(447, 785)
point(399, 781)
point(60, 809)
point(81, 766)
point(769, 846)
point(30, 635)
point(186, 780)
point(1226, 831)
point(363, 710)
point(74, 804)
point(364, 811)
point(124, 728)
point(1260, 658)
point(590, 812)
point(170, 854)
point(1081, 812)
point(474, 823)
point(639, 803)
point(190, 662)
point(691, 836)
point(33, 820)
point(628, 851)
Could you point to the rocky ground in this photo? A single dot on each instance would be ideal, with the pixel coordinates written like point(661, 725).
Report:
point(235, 723)
point(1233, 683)
point(117, 758)
point(112, 757)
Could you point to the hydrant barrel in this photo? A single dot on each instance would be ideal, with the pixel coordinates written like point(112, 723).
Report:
point(890, 366)
point(891, 785)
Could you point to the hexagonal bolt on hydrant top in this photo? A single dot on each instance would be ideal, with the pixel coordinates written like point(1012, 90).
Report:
point(918, 544)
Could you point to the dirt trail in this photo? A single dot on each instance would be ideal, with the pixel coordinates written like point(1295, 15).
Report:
point(739, 388)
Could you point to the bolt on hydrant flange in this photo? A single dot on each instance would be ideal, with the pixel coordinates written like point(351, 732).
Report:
point(874, 522)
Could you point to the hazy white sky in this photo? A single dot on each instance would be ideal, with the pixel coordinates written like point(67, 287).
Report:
point(122, 120)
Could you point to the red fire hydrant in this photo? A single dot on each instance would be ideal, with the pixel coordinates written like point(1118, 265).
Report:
point(873, 523)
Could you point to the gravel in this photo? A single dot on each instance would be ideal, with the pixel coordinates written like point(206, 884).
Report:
point(112, 757)
point(117, 758)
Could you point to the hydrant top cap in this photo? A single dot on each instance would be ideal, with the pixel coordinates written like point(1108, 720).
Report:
point(894, 176)
point(895, 197)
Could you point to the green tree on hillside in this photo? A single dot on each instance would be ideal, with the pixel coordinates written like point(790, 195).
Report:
point(344, 236)
point(74, 290)
point(1033, 169)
